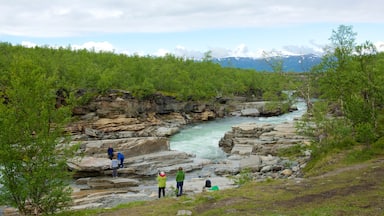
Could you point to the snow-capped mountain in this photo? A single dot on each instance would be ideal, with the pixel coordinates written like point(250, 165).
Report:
point(291, 63)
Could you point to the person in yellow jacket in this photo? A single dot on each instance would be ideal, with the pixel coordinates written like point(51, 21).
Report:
point(162, 183)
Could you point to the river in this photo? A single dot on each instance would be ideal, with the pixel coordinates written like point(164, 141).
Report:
point(203, 139)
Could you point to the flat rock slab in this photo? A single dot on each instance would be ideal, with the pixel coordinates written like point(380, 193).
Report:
point(242, 149)
point(105, 183)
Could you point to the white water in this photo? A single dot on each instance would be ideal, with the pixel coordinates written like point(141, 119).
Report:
point(203, 139)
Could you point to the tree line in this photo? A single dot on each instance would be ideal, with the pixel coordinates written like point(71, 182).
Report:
point(141, 75)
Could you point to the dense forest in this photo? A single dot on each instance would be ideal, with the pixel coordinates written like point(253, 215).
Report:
point(344, 95)
point(140, 75)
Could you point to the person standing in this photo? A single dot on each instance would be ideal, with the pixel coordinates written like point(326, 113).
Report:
point(120, 158)
point(110, 152)
point(114, 166)
point(162, 183)
point(180, 176)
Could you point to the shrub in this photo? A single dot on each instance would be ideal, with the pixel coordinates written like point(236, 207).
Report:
point(243, 177)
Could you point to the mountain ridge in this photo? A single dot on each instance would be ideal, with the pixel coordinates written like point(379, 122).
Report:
point(291, 63)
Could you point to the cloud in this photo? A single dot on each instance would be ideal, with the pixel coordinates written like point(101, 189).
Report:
point(215, 52)
point(184, 52)
point(28, 44)
point(302, 50)
point(180, 51)
point(95, 46)
point(380, 46)
point(91, 46)
point(161, 52)
point(47, 18)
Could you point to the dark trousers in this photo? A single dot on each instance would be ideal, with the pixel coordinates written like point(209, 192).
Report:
point(179, 186)
point(114, 172)
point(161, 190)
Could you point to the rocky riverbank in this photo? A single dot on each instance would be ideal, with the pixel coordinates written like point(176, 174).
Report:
point(141, 130)
point(248, 149)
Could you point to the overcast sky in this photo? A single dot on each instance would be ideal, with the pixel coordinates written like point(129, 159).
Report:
point(189, 27)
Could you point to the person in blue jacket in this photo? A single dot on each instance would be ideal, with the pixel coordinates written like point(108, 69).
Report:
point(120, 158)
point(110, 152)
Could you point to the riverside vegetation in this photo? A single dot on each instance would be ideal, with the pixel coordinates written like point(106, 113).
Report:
point(343, 177)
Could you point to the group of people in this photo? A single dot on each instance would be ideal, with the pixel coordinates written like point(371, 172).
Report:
point(117, 160)
point(162, 182)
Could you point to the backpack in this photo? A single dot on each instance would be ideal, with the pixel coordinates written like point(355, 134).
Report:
point(208, 183)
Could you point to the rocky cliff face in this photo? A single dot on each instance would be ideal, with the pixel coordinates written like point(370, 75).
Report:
point(141, 127)
point(137, 128)
point(118, 111)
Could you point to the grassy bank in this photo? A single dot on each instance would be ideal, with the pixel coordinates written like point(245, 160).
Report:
point(356, 189)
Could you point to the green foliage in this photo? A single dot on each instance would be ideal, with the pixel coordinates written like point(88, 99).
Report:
point(144, 89)
point(292, 152)
point(378, 146)
point(360, 155)
point(349, 112)
point(352, 78)
point(365, 133)
point(322, 126)
point(365, 153)
point(184, 78)
point(243, 177)
point(32, 163)
point(325, 151)
point(85, 98)
point(174, 191)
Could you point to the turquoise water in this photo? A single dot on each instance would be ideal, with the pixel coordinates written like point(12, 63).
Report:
point(203, 139)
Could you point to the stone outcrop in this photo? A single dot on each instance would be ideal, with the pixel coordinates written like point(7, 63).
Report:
point(254, 147)
point(256, 109)
point(144, 156)
point(261, 139)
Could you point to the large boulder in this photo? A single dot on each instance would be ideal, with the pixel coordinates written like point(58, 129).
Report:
point(137, 166)
point(89, 164)
point(169, 161)
point(263, 139)
point(250, 112)
point(128, 146)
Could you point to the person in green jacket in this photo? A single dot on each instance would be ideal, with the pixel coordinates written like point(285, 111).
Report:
point(180, 175)
point(162, 183)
